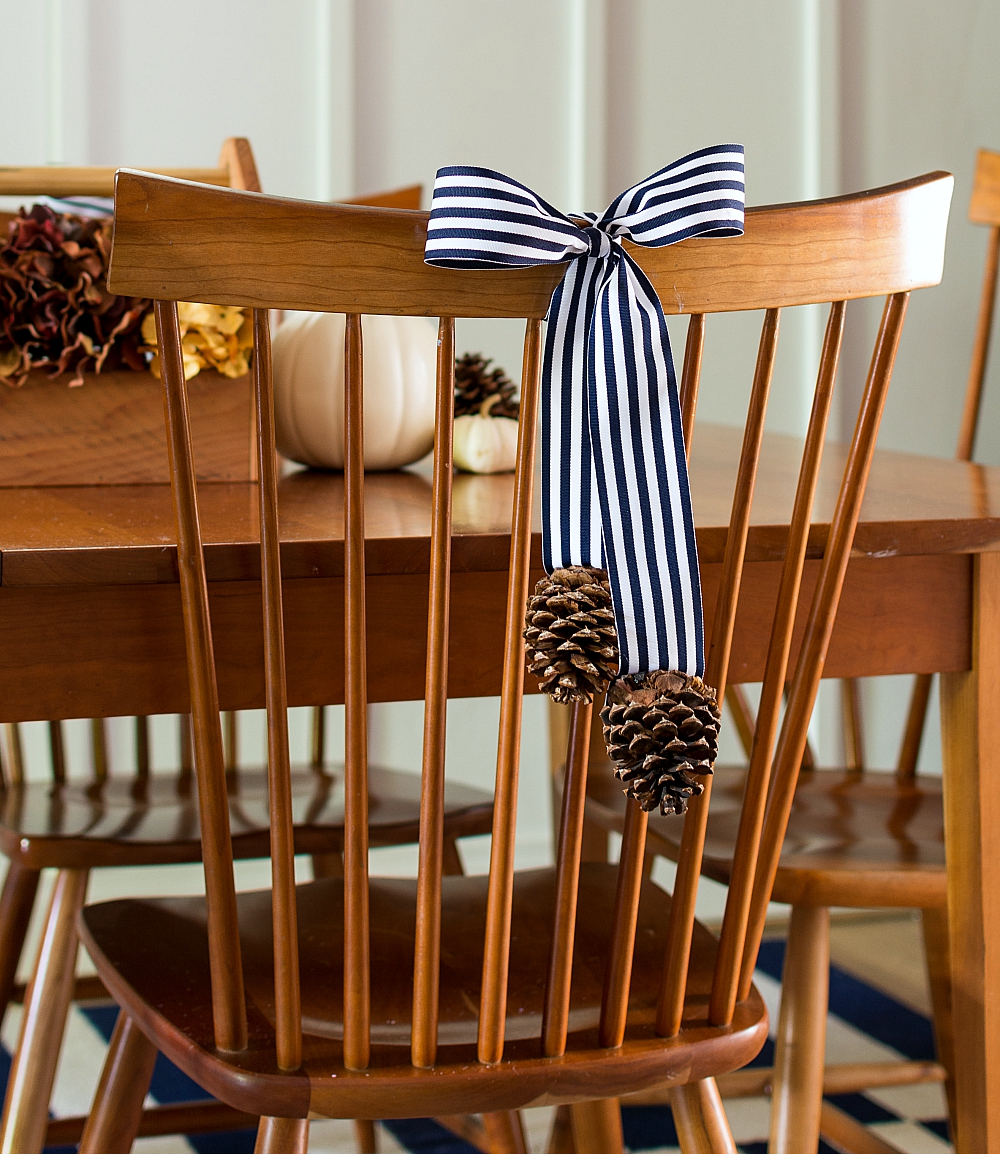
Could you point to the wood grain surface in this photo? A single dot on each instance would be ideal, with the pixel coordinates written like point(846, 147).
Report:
point(458, 1083)
point(264, 252)
point(98, 566)
point(66, 180)
point(109, 430)
point(123, 535)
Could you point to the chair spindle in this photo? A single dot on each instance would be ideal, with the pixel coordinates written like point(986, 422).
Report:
point(427, 953)
point(819, 627)
point(670, 1004)
point(357, 974)
point(980, 350)
point(496, 951)
point(618, 973)
point(742, 715)
point(12, 760)
point(723, 1000)
point(142, 747)
point(287, 999)
point(228, 1001)
point(555, 1012)
point(99, 748)
point(694, 347)
point(854, 738)
point(317, 736)
point(186, 745)
point(57, 752)
point(230, 741)
point(913, 731)
point(632, 860)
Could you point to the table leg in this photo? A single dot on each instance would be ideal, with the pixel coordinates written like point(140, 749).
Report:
point(970, 719)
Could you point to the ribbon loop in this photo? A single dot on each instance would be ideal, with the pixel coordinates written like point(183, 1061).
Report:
point(615, 491)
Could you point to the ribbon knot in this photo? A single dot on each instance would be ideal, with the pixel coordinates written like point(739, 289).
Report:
point(598, 240)
point(615, 491)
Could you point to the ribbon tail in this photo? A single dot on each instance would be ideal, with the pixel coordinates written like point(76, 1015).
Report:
point(638, 448)
point(571, 514)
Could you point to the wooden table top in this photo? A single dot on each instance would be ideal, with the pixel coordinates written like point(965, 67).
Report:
point(124, 534)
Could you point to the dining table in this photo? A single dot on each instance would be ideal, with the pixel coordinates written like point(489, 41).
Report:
point(90, 626)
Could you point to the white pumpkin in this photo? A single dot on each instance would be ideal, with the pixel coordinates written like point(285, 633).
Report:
point(485, 444)
point(400, 355)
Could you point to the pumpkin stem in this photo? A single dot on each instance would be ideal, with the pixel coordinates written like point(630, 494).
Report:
point(484, 408)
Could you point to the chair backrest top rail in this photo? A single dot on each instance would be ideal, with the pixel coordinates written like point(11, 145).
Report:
point(176, 241)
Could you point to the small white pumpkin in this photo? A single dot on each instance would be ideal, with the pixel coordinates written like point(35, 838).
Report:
point(400, 355)
point(485, 444)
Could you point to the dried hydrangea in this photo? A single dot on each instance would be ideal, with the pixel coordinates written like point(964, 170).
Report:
point(56, 311)
point(216, 337)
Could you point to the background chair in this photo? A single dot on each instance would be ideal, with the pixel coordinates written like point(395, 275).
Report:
point(153, 820)
point(854, 840)
point(589, 979)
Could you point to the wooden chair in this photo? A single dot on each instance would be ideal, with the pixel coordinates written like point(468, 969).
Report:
point(984, 208)
point(154, 820)
point(854, 840)
point(559, 985)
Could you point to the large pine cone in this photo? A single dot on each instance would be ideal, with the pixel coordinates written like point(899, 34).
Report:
point(662, 731)
point(570, 634)
point(473, 384)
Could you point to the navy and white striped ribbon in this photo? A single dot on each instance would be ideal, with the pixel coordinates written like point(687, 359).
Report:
point(615, 490)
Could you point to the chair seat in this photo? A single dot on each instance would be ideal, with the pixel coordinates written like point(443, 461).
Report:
point(853, 839)
point(154, 821)
point(128, 940)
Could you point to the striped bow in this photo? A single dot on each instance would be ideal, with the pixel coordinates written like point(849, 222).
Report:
point(615, 491)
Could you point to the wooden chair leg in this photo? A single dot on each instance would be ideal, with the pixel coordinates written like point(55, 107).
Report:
point(935, 923)
point(597, 1127)
point(46, 1005)
point(114, 1119)
point(16, 903)
point(561, 1134)
point(700, 1118)
point(282, 1136)
point(799, 1049)
point(505, 1133)
point(365, 1136)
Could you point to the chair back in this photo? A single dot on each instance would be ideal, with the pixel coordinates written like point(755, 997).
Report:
point(236, 169)
point(176, 241)
point(984, 208)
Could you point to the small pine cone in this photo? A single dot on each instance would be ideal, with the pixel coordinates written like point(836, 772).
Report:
point(569, 634)
point(662, 731)
point(473, 384)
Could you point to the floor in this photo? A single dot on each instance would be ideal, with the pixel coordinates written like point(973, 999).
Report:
point(879, 1002)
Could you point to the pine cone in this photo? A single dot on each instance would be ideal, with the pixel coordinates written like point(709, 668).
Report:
point(661, 729)
point(473, 384)
point(570, 634)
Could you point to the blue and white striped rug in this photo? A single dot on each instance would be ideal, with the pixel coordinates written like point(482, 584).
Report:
point(865, 1025)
